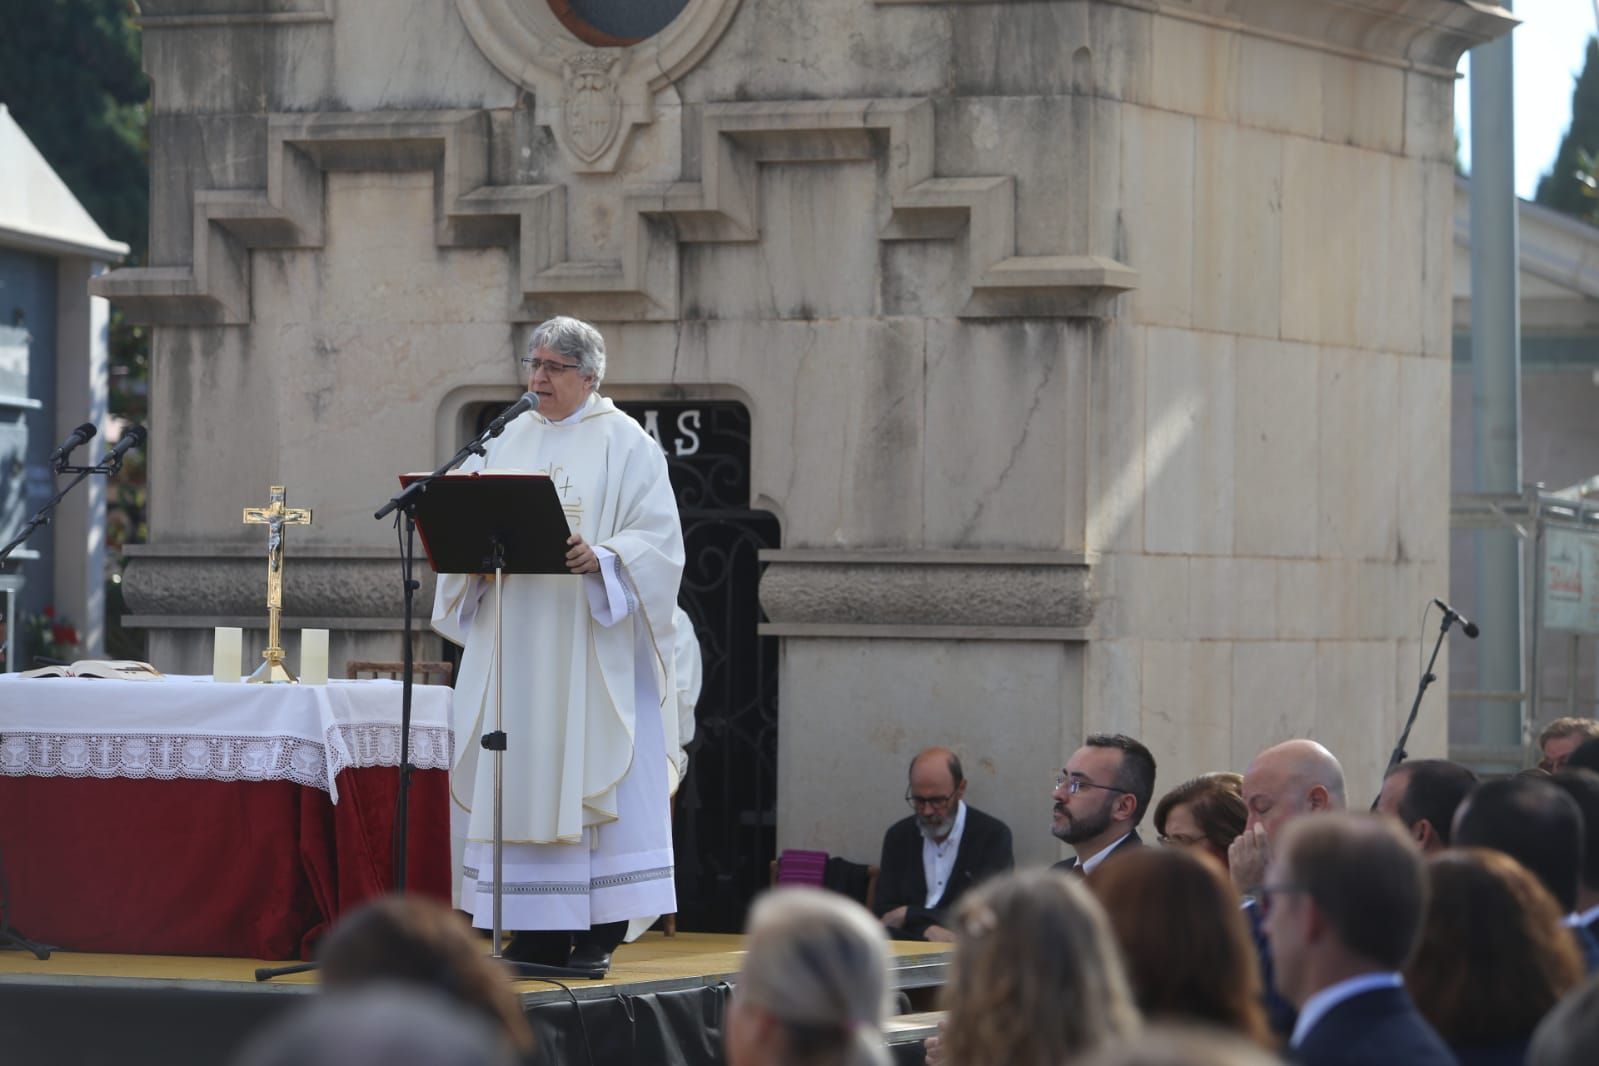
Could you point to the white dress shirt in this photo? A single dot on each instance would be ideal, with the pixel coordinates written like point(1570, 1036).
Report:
point(938, 858)
point(1087, 865)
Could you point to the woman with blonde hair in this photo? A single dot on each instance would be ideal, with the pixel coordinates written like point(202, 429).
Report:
point(1036, 979)
point(814, 987)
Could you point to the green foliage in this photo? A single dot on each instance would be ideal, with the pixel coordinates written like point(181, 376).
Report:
point(1563, 187)
point(71, 76)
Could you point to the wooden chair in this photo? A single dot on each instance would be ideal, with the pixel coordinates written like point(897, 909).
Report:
point(423, 671)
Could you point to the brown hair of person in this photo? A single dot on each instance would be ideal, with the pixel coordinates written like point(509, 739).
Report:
point(1036, 977)
point(1184, 938)
point(1217, 802)
point(420, 941)
point(1495, 953)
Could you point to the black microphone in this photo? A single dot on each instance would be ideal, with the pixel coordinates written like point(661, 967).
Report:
point(131, 438)
point(1467, 626)
point(528, 402)
point(79, 435)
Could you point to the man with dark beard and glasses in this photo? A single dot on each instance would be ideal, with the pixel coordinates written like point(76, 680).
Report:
point(1100, 797)
point(932, 857)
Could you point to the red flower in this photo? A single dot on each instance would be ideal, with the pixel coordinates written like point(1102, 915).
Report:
point(49, 612)
point(62, 633)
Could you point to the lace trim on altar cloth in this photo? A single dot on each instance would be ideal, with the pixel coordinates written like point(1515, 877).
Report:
point(222, 758)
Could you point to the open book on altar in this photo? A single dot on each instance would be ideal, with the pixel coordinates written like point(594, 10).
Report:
point(121, 669)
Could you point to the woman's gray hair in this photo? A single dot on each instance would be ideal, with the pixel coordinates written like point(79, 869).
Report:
point(572, 338)
point(818, 963)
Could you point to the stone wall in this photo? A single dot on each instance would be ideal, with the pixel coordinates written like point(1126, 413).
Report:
point(1097, 352)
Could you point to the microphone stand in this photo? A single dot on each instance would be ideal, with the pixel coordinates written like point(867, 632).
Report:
point(10, 937)
point(406, 501)
point(1428, 677)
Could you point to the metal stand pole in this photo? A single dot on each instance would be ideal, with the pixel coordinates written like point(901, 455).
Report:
point(499, 749)
point(1428, 677)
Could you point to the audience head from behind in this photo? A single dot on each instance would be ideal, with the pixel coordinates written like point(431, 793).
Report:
point(1533, 821)
point(1424, 795)
point(1569, 1034)
point(1102, 793)
point(1036, 978)
point(1181, 1045)
point(1560, 738)
point(418, 941)
point(1344, 901)
point(1585, 757)
point(934, 790)
point(1186, 943)
point(814, 986)
point(1345, 895)
point(1205, 813)
point(381, 1024)
point(1495, 954)
point(1582, 785)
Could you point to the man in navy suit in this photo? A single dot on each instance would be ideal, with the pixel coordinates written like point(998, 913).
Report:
point(932, 857)
point(1345, 895)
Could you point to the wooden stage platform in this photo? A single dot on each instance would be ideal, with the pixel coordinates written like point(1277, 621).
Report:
point(129, 1009)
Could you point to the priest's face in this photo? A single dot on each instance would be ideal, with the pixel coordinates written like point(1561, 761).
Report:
point(559, 383)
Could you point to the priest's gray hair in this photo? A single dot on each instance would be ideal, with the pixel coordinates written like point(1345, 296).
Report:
point(818, 963)
point(572, 338)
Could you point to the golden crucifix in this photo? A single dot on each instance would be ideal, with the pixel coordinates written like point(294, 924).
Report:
point(275, 517)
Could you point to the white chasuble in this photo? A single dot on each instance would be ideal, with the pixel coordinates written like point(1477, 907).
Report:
point(586, 661)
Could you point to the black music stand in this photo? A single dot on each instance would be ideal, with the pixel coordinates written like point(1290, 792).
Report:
point(508, 524)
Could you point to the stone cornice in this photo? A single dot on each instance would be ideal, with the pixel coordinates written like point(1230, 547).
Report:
point(1426, 35)
point(927, 595)
point(175, 582)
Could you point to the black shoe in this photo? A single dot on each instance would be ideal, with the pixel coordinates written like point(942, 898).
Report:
point(591, 959)
point(542, 947)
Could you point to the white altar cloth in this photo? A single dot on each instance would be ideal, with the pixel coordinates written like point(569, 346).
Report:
point(193, 727)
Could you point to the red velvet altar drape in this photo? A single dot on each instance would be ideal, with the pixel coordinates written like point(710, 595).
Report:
point(257, 869)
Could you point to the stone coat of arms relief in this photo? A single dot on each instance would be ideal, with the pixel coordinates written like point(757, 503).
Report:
point(590, 97)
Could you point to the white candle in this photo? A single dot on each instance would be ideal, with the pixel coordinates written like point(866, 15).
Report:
point(313, 656)
point(227, 654)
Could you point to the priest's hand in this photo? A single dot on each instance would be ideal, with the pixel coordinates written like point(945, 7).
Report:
point(581, 558)
point(895, 919)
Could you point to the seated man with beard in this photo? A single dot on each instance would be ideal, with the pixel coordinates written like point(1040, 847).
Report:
point(933, 857)
point(1100, 797)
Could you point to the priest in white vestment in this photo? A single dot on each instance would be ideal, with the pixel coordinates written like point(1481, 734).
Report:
point(589, 687)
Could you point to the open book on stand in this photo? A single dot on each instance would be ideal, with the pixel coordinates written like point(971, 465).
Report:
point(124, 669)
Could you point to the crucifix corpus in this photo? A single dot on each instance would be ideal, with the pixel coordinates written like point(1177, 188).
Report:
point(275, 517)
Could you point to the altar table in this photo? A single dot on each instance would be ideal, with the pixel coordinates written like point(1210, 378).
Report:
point(186, 817)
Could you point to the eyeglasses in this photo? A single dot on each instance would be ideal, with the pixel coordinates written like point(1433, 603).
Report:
point(932, 802)
point(1075, 785)
point(549, 366)
point(1177, 841)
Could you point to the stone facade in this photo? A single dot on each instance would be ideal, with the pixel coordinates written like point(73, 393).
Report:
point(1097, 350)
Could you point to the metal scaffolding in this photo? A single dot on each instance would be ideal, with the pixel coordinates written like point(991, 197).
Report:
point(1531, 515)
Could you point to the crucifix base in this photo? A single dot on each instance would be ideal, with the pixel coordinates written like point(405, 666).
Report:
point(272, 671)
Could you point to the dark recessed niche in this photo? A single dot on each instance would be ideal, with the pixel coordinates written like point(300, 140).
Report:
point(613, 23)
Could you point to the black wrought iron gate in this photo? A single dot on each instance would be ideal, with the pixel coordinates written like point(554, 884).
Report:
point(725, 823)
